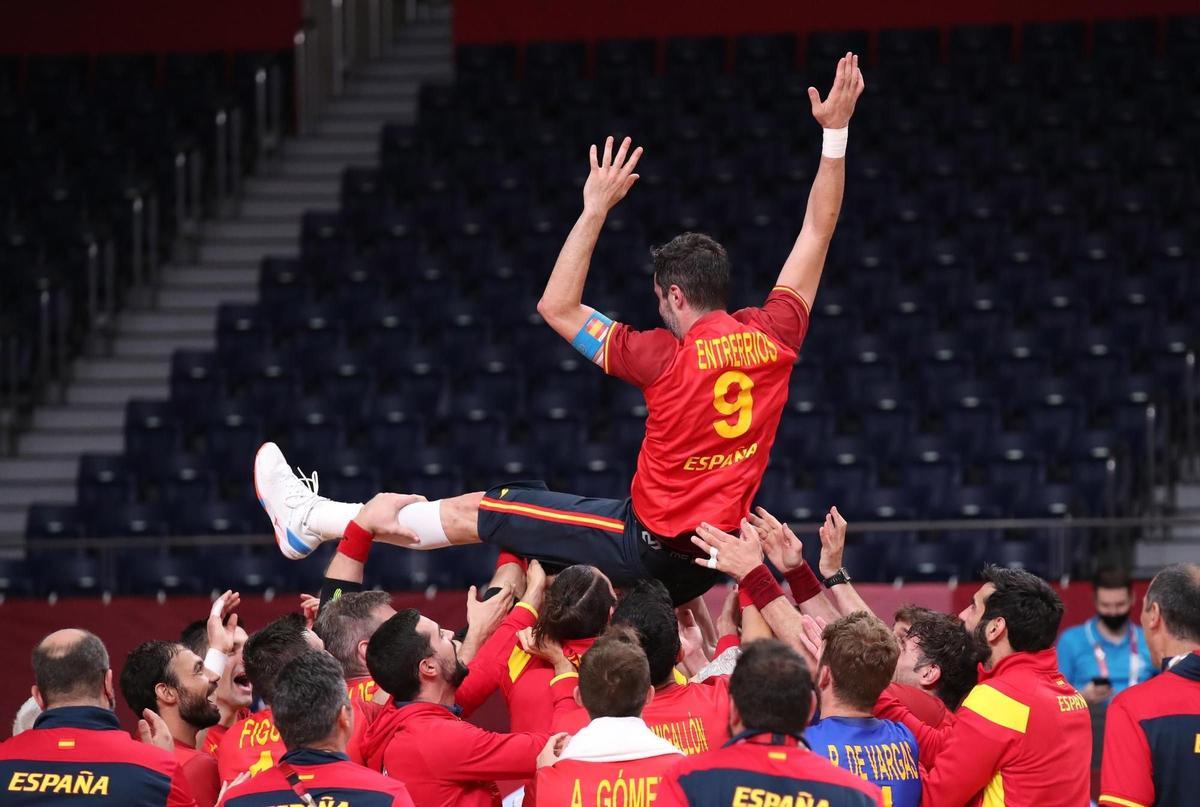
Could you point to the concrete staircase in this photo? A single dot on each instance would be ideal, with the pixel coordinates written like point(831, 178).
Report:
point(182, 312)
point(1182, 545)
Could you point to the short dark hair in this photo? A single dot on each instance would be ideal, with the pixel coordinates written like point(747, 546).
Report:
point(395, 653)
point(861, 653)
point(73, 671)
point(1113, 577)
point(1176, 590)
point(310, 692)
point(698, 265)
point(270, 649)
point(911, 612)
point(346, 621)
point(772, 688)
point(1032, 611)
point(614, 675)
point(576, 606)
point(945, 641)
point(648, 610)
point(195, 637)
point(147, 666)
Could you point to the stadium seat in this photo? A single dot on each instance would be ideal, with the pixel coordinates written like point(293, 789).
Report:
point(104, 479)
point(52, 521)
point(152, 573)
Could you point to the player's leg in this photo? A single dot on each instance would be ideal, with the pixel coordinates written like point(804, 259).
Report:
point(303, 519)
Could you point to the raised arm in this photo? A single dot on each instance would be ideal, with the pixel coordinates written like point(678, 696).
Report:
point(802, 269)
point(562, 302)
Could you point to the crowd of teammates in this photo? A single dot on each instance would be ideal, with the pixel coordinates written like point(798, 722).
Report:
point(616, 697)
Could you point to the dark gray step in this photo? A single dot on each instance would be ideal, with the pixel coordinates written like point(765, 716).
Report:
point(98, 393)
point(194, 301)
point(153, 322)
point(122, 369)
point(163, 345)
point(23, 494)
point(50, 444)
point(31, 469)
point(96, 417)
point(208, 275)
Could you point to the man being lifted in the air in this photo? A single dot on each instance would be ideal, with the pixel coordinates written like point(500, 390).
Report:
point(715, 386)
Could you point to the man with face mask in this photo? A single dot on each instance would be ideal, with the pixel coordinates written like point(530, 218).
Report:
point(420, 738)
point(1108, 653)
point(1023, 736)
point(170, 680)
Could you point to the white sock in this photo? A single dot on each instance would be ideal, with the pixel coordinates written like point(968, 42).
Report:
point(425, 519)
point(329, 519)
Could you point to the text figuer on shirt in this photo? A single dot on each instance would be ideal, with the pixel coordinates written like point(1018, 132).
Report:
point(886, 761)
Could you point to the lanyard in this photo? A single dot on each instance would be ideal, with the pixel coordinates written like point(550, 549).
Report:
point(1102, 661)
point(293, 780)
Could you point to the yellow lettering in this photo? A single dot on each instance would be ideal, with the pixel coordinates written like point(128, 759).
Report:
point(18, 778)
point(1197, 743)
point(742, 406)
point(577, 795)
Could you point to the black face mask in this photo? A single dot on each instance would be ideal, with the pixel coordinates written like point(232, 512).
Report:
point(1114, 622)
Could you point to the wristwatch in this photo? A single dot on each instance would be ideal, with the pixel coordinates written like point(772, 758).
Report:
point(837, 578)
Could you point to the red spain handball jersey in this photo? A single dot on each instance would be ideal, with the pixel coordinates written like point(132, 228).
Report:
point(714, 400)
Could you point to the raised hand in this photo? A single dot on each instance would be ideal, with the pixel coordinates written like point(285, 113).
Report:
point(378, 517)
point(610, 178)
point(734, 556)
point(486, 615)
point(535, 584)
point(310, 606)
point(837, 108)
point(833, 542)
point(152, 730)
point(553, 749)
point(730, 618)
point(221, 635)
point(812, 638)
point(782, 546)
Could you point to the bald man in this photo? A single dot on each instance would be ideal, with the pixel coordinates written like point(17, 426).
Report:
point(76, 750)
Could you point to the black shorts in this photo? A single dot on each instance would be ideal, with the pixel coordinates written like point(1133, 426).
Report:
point(561, 529)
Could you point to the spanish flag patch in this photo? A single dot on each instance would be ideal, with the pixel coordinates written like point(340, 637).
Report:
point(66, 745)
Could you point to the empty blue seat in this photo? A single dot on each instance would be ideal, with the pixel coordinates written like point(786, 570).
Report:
point(152, 431)
point(196, 377)
point(154, 572)
point(104, 479)
point(129, 521)
point(52, 521)
point(67, 575)
point(219, 518)
point(16, 578)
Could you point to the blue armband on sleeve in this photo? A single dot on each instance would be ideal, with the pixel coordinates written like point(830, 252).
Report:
point(591, 336)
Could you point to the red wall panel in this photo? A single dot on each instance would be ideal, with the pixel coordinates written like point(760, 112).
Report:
point(532, 20)
point(100, 26)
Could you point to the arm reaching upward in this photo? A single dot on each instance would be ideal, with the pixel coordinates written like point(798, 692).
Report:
point(802, 269)
point(562, 302)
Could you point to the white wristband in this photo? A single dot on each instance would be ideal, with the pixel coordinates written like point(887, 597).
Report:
point(833, 143)
point(215, 661)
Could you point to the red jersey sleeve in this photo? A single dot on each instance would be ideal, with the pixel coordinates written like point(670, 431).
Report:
point(930, 740)
point(638, 357)
point(569, 716)
point(490, 663)
point(1126, 776)
point(784, 315)
point(180, 794)
point(478, 754)
point(203, 779)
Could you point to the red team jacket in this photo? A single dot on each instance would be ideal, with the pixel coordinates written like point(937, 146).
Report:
point(490, 667)
point(331, 779)
point(79, 754)
point(714, 401)
point(200, 770)
point(1022, 738)
point(1152, 741)
point(445, 760)
point(761, 770)
point(692, 717)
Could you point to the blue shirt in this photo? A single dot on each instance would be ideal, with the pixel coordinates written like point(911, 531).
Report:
point(1077, 656)
point(880, 751)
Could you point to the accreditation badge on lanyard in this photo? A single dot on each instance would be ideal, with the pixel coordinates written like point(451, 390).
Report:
point(1102, 661)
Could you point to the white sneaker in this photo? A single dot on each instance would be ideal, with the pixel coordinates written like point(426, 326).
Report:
point(288, 500)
